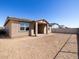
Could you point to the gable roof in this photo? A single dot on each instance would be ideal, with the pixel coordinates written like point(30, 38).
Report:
point(43, 20)
point(17, 19)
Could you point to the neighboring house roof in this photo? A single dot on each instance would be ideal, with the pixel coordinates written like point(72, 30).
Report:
point(24, 20)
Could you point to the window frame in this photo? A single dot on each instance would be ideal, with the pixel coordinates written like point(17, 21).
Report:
point(24, 25)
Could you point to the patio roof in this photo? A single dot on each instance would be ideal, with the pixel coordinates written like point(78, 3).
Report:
point(42, 21)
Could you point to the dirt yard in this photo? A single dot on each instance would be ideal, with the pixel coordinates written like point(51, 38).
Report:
point(51, 46)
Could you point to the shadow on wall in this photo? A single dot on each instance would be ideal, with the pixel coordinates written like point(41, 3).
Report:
point(78, 41)
point(78, 44)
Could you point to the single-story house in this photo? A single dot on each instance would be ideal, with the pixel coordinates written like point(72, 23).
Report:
point(17, 27)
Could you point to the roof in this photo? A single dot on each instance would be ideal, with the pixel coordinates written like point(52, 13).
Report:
point(22, 19)
point(43, 20)
point(17, 19)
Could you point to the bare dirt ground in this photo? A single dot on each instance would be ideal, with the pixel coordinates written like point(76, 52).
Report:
point(51, 46)
point(70, 49)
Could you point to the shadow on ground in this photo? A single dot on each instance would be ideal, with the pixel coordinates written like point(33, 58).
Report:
point(4, 36)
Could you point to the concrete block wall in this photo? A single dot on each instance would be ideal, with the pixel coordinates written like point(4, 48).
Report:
point(67, 30)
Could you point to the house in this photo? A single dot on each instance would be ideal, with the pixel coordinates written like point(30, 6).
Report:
point(17, 27)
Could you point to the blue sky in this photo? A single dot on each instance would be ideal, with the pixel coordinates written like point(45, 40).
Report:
point(64, 12)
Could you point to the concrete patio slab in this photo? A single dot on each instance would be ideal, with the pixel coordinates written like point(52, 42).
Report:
point(62, 55)
point(71, 45)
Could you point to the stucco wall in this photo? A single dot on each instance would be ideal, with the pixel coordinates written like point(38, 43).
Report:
point(49, 29)
point(44, 29)
point(8, 28)
point(14, 29)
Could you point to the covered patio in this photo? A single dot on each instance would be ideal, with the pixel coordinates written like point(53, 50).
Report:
point(38, 27)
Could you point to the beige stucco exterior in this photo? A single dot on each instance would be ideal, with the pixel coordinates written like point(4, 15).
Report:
point(35, 28)
point(14, 29)
point(8, 26)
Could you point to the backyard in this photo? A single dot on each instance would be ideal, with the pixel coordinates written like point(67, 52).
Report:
point(51, 46)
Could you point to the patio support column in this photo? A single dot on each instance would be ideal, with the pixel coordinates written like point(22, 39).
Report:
point(36, 28)
point(47, 29)
point(31, 29)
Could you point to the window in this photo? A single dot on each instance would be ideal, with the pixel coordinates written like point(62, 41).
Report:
point(24, 26)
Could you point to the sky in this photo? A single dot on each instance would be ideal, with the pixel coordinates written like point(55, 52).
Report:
point(63, 12)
